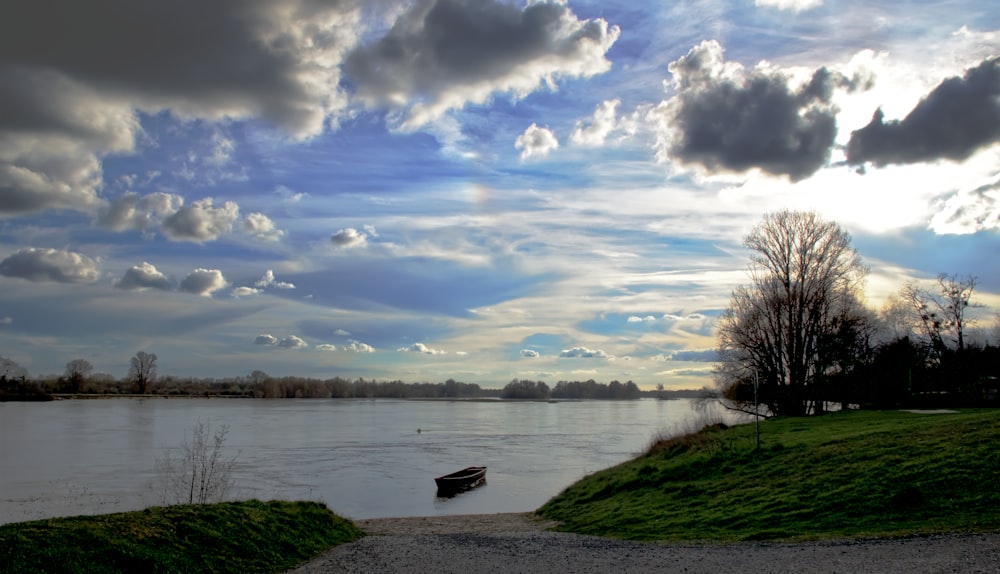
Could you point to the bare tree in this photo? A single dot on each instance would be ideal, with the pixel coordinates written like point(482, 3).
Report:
point(897, 318)
point(143, 371)
point(13, 377)
point(200, 474)
point(782, 331)
point(943, 313)
point(10, 370)
point(77, 372)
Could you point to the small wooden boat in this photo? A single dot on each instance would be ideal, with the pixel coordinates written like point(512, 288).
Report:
point(460, 480)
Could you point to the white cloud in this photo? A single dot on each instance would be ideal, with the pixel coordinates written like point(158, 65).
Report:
point(221, 150)
point(6, 320)
point(40, 264)
point(289, 342)
point(968, 211)
point(268, 280)
point(536, 141)
point(421, 348)
point(130, 211)
point(584, 353)
point(791, 5)
point(288, 195)
point(143, 276)
point(342, 333)
point(690, 317)
point(201, 221)
point(244, 292)
point(261, 227)
point(530, 353)
point(646, 319)
point(203, 282)
point(601, 125)
point(348, 238)
point(292, 342)
point(440, 55)
point(326, 347)
point(359, 347)
point(265, 339)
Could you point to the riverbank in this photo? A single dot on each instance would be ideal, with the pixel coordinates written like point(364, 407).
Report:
point(228, 537)
point(849, 474)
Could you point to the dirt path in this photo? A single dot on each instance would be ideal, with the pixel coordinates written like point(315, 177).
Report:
point(520, 543)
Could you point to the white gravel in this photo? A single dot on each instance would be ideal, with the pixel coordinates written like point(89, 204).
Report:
point(518, 543)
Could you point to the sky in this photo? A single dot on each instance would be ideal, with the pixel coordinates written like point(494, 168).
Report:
point(480, 190)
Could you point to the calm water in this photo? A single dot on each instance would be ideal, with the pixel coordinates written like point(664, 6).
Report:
point(363, 458)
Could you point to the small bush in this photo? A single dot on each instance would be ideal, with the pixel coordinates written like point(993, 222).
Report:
point(201, 473)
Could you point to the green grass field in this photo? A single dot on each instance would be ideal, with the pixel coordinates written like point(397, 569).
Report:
point(847, 474)
point(220, 538)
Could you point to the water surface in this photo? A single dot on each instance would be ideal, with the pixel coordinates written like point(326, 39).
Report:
point(363, 458)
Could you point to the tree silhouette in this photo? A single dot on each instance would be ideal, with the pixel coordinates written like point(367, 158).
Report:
point(77, 372)
point(783, 331)
point(143, 371)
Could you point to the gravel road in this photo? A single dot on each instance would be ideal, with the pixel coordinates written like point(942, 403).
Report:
point(520, 543)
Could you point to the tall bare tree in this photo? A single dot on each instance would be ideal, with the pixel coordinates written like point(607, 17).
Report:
point(143, 371)
point(77, 372)
point(783, 331)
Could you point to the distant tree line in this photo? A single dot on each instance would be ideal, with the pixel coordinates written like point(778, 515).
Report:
point(538, 390)
point(264, 386)
point(798, 337)
point(79, 379)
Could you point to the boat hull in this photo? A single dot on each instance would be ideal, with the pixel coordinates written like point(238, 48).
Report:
point(460, 481)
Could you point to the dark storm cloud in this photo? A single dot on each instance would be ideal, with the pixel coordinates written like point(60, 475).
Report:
point(73, 74)
point(205, 57)
point(452, 51)
point(726, 118)
point(960, 116)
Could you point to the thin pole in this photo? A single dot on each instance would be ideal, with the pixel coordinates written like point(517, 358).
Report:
point(756, 408)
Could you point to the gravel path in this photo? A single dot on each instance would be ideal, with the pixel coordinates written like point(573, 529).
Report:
point(519, 543)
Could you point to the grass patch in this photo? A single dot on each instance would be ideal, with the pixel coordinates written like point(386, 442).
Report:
point(847, 474)
point(249, 536)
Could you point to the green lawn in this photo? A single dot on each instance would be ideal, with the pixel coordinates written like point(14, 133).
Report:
point(856, 473)
point(250, 536)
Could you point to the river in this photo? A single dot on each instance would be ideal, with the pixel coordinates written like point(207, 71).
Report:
point(363, 458)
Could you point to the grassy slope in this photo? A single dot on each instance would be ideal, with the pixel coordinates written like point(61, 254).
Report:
point(843, 474)
point(233, 537)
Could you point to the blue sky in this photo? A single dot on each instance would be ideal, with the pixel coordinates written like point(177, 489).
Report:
point(472, 189)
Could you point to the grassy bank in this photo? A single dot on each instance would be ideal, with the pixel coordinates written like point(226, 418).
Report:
point(840, 475)
point(233, 537)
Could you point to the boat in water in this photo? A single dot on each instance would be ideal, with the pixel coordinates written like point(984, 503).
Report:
point(461, 480)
